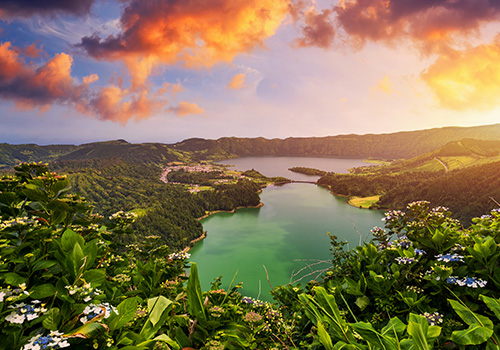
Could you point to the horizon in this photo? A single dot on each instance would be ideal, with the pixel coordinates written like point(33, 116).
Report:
point(74, 72)
point(252, 137)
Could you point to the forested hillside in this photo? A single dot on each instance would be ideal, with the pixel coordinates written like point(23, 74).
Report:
point(467, 192)
point(386, 146)
point(165, 210)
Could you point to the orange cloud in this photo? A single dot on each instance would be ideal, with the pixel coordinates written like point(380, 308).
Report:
point(431, 23)
point(238, 82)
point(318, 29)
point(90, 79)
point(119, 105)
point(29, 87)
point(173, 89)
point(468, 79)
point(187, 32)
point(184, 108)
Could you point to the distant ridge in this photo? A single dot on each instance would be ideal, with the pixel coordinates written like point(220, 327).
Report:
point(400, 145)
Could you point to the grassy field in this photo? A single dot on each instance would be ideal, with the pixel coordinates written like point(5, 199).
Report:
point(363, 202)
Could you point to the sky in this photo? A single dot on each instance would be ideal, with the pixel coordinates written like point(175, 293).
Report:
point(78, 71)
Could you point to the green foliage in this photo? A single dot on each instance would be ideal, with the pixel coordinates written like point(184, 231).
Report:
point(423, 282)
point(308, 171)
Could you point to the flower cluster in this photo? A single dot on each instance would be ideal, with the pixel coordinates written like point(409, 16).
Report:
point(405, 260)
point(18, 223)
point(93, 311)
point(449, 257)
point(414, 289)
point(253, 302)
point(420, 251)
point(252, 317)
point(54, 340)
point(216, 311)
point(9, 294)
point(179, 256)
point(393, 214)
point(403, 242)
point(25, 312)
point(121, 278)
point(471, 282)
point(85, 292)
point(434, 318)
point(121, 215)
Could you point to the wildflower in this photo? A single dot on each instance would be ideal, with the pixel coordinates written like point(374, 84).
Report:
point(218, 291)
point(93, 311)
point(179, 256)
point(404, 261)
point(471, 282)
point(449, 257)
point(54, 340)
point(216, 311)
point(404, 243)
point(420, 251)
point(25, 312)
point(414, 289)
point(247, 300)
point(378, 232)
point(393, 214)
point(252, 317)
point(434, 318)
point(121, 278)
point(84, 292)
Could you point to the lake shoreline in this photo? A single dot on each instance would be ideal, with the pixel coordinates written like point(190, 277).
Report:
point(204, 235)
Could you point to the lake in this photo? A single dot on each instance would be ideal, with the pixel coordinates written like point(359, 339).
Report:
point(278, 166)
point(287, 236)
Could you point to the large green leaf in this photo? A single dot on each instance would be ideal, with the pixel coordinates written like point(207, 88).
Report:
point(493, 304)
point(194, 296)
point(13, 278)
point(88, 330)
point(394, 328)
point(374, 338)
point(469, 317)
point(52, 319)
point(126, 312)
point(159, 310)
point(69, 239)
point(416, 332)
point(96, 277)
point(473, 335)
point(156, 306)
point(42, 291)
point(76, 260)
point(324, 337)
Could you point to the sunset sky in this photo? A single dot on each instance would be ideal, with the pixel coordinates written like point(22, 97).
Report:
point(77, 71)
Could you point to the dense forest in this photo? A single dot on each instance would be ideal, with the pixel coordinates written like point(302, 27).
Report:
point(468, 192)
point(166, 210)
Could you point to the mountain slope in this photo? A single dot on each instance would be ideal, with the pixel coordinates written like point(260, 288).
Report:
point(398, 145)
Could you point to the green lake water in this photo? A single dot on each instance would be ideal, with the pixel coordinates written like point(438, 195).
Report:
point(287, 234)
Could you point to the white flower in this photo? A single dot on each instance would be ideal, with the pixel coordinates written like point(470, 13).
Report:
point(14, 317)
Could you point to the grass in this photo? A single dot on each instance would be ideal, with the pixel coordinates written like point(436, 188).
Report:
point(363, 202)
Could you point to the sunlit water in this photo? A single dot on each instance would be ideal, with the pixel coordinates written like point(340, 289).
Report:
point(287, 236)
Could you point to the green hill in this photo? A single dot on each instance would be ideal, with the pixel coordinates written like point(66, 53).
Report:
point(453, 155)
point(400, 145)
